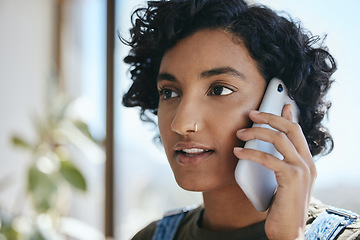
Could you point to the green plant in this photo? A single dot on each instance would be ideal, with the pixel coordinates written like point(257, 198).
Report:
point(51, 171)
point(51, 165)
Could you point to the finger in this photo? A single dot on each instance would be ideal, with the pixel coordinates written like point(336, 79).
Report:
point(280, 141)
point(292, 130)
point(287, 113)
point(265, 159)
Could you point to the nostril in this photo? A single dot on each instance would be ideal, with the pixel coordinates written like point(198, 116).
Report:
point(185, 129)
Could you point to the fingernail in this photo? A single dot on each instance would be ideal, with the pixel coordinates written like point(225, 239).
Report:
point(238, 149)
point(255, 112)
point(241, 130)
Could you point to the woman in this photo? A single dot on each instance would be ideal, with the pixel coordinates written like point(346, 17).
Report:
point(202, 67)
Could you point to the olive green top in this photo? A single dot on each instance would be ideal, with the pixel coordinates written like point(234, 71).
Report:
point(190, 228)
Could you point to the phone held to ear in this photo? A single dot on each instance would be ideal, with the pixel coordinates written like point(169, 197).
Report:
point(259, 183)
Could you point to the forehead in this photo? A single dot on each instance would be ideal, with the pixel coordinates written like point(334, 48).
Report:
point(207, 49)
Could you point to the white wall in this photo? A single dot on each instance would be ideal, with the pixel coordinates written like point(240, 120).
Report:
point(26, 57)
point(27, 37)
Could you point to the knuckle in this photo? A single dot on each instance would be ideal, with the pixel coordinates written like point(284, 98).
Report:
point(268, 157)
point(300, 173)
point(281, 136)
point(295, 127)
point(296, 172)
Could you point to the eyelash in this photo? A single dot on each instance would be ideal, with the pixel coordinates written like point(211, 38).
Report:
point(162, 91)
point(217, 85)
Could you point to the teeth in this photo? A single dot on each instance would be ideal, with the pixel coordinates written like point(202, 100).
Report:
point(193, 150)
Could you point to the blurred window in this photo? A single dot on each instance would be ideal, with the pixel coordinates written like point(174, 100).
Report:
point(83, 76)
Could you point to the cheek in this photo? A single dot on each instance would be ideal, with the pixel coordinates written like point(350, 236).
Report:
point(164, 124)
point(161, 125)
point(226, 121)
point(229, 127)
point(230, 118)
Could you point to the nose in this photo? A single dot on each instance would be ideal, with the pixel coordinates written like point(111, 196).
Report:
point(188, 118)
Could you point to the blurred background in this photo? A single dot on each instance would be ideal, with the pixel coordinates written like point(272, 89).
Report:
point(55, 65)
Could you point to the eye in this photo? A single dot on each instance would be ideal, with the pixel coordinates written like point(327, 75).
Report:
point(221, 91)
point(167, 93)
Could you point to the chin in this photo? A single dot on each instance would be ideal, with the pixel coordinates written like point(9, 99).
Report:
point(191, 184)
point(192, 189)
point(202, 185)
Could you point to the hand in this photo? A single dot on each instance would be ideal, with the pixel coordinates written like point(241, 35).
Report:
point(295, 174)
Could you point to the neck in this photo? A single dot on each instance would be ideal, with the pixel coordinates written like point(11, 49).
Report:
point(229, 209)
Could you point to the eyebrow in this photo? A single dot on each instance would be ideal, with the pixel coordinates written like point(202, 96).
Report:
point(222, 70)
point(206, 74)
point(166, 76)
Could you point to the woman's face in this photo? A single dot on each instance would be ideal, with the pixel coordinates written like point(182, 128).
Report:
point(207, 85)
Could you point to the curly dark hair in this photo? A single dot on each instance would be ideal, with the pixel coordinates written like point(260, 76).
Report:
point(279, 45)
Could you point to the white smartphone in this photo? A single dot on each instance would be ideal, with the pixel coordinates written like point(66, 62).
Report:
point(259, 183)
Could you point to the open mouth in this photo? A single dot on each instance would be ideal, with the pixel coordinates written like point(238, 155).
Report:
point(193, 151)
point(192, 155)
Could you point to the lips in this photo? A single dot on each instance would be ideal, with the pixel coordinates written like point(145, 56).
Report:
point(192, 153)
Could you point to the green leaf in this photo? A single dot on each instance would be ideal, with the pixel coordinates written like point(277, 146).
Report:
point(72, 175)
point(42, 189)
point(6, 228)
point(8, 231)
point(19, 142)
point(84, 128)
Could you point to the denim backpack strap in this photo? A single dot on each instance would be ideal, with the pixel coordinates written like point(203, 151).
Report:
point(330, 223)
point(166, 228)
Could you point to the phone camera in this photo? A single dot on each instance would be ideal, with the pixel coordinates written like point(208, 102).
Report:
point(280, 88)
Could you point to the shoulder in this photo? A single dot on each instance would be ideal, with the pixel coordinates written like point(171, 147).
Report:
point(170, 216)
point(146, 233)
point(317, 210)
